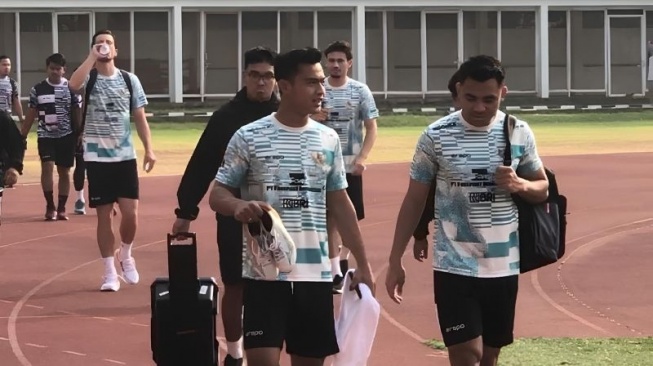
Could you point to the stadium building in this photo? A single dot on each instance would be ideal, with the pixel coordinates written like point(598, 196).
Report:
point(187, 50)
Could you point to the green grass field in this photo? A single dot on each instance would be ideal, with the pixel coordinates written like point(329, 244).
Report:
point(556, 134)
point(574, 352)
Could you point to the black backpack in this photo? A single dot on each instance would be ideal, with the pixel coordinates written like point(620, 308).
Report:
point(92, 78)
point(542, 226)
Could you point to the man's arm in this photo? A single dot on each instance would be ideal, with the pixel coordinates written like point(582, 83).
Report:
point(32, 113)
point(224, 195)
point(369, 113)
point(428, 213)
point(18, 108)
point(340, 205)
point(78, 78)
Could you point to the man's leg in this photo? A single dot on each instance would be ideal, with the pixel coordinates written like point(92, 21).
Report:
point(64, 160)
point(266, 305)
point(78, 180)
point(499, 298)
point(230, 247)
point(128, 195)
point(64, 189)
point(460, 317)
point(335, 245)
point(47, 154)
point(311, 335)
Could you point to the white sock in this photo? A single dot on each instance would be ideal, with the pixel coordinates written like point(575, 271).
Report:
point(109, 266)
point(80, 195)
point(335, 267)
point(125, 251)
point(235, 349)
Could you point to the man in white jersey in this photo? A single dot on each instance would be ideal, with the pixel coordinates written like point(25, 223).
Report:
point(290, 164)
point(57, 109)
point(109, 153)
point(350, 109)
point(9, 94)
point(476, 243)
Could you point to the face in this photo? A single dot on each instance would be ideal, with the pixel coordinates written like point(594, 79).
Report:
point(5, 67)
point(338, 65)
point(259, 81)
point(479, 101)
point(306, 91)
point(55, 72)
point(109, 41)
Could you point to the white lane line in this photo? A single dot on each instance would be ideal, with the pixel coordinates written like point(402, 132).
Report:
point(74, 353)
point(36, 345)
point(114, 361)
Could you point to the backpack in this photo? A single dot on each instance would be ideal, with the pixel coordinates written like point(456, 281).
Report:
point(92, 78)
point(542, 226)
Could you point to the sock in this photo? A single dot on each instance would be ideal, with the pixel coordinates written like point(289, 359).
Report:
point(80, 195)
point(62, 203)
point(49, 199)
point(125, 251)
point(109, 266)
point(335, 267)
point(235, 349)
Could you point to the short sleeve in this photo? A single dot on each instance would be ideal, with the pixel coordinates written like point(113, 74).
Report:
point(530, 161)
point(336, 178)
point(33, 98)
point(369, 109)
point(235, 164)
point(424, 166)
point(139, 99)
point(14, 89)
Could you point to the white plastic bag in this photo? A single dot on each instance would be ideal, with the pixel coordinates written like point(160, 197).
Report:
point(356, 325)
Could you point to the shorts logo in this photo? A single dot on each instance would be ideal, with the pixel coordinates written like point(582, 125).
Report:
point(254, 333)
point(455, 328)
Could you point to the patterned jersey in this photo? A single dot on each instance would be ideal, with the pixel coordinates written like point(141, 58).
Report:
point(292, 169)
point(54, 105)
point(476, 223)
point(8, 91)
point(107, 129)
point(349, 106)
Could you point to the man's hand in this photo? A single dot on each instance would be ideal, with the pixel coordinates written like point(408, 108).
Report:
point(363, 275)
point(394, 282)
point(506, 179)
point(321, 116)
point(250, 211)
point(421, 249)
point(148, 161)
point(358, 166)
point(11, 177)
point(180, 226)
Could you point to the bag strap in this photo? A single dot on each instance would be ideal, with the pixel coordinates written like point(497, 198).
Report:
point(508, 126)
point(128, 81)
point(92, 78)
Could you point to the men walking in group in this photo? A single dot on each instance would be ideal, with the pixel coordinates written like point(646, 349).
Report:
point(57, 109)
point(476, 249)
point(12, 152)
point(111, 163)
point(350, 109)
point(9, 93)
point(280, 175)
point(254, 101)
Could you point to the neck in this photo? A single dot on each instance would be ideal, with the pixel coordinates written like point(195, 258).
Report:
point(289, 117)
point(105, 68)
point(338, 81)
point(54, 81)
point(476, 123)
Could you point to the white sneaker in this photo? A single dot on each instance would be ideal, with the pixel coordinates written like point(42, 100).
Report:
point(129, 272)
point(261, 259)
point(281, 243)
point(111, 283)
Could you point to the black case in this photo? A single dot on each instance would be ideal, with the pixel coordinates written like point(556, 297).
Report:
point(184, 310)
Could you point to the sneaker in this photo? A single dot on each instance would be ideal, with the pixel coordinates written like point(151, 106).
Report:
point(261, 258)
point(50, 214)
point(80, 207)
point(129, 272)
point(230, 361)
point(338, 283)
point(281, 243)
point(111, 283)
point(62, 216)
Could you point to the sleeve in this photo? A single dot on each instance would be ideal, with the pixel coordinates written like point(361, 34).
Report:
point(14, 88)
point(336, 178)
point(424, 166)
point(202, 166)
point(33, 98)
point(369, 109)
point(530, 161)
point(235, 164)
point(428, 214)
point(139, 99)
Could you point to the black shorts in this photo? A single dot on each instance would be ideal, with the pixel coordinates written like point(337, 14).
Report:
point(299, 313)
point(109, 181)
point(61, 150)
point(230, 249)
point(355, 192)
point(469, 307)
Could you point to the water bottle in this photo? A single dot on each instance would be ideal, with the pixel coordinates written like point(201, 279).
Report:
point(104, 50)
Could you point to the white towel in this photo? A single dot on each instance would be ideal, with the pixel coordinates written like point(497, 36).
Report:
point(356, 325)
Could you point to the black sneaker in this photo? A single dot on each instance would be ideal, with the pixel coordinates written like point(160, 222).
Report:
point(338, 283)
point(230, 361)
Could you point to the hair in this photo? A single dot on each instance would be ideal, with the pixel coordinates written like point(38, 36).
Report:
point(455, 78)
point(4, 57)
point(286, 65)
point(481, 68)
point(339, 46)
point(259, 55)
point(101, 32)
point(57, 59)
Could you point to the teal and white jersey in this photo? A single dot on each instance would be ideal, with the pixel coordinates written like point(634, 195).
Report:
point(292, 169)
point(349, 106)
point(107, 130)
point(476, 222)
